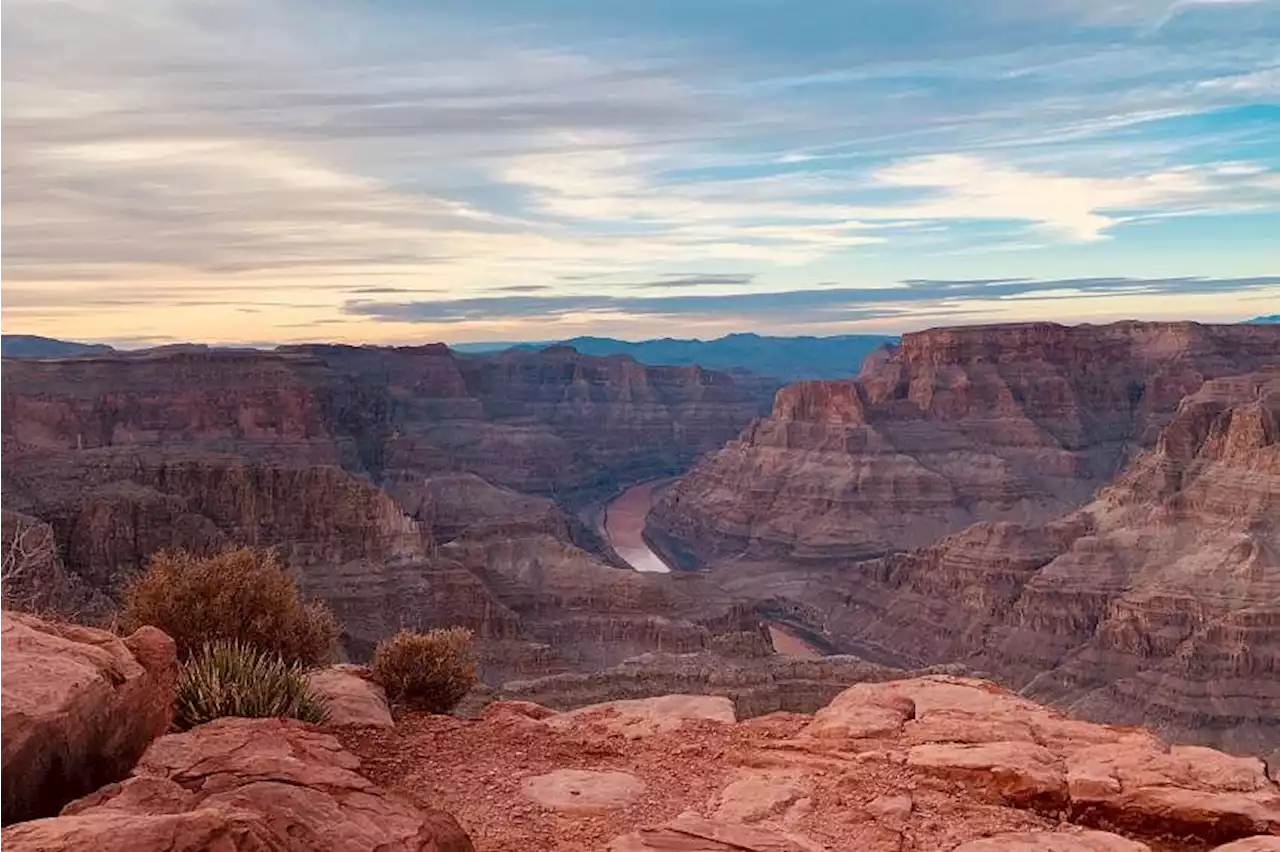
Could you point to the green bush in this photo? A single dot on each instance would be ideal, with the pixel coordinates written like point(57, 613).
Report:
point(242, 595)
point(426, 671)
point(237, 679)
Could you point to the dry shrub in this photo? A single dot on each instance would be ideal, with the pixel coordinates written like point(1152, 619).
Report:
point(242, 595)
point(235, 679)
point(426, 671)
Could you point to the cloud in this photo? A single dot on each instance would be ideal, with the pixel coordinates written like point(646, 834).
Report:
point(686, 280)
point(1081, 209)
point(825, 305)
point(522, 288)
point(165, 153)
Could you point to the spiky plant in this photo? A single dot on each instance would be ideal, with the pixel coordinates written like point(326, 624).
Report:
point(231, 678)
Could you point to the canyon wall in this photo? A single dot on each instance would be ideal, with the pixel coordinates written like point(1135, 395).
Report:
point(386, 477)
point(1158, 603)
point(999, 423)
point(1149, 594)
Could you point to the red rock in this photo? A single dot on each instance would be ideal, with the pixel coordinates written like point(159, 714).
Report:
point(358, 464)
point(80, 706)
point(242, 784)
point(1155, 602)
point(640, 717)
point(518, 709)
point(1020, 773)
point(577, 790)
point(1056, 841)
point(693, 834)
point(994, 423)
point(352, 696)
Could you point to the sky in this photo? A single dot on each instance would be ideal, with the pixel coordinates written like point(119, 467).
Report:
point(402, 171)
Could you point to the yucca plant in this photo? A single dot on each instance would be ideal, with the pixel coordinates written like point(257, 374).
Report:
point(231, 678)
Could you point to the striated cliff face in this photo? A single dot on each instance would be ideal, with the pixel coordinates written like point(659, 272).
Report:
point(554, 422)
point(1157, 603)
point(1015, 423)
point(360, 465)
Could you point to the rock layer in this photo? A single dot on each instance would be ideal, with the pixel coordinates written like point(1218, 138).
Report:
point(1158, 603)
point(1000, 423)
point(360, 464)
point(242, 784)
point(1155, 602)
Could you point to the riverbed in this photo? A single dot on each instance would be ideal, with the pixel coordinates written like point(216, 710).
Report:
point(623, 524)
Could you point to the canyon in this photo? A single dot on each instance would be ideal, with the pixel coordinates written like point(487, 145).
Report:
point(408, 487)
point(1087, 514)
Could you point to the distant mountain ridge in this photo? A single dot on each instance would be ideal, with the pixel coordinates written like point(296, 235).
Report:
point(35, 346)
point(785, 358)
point(1266, 319)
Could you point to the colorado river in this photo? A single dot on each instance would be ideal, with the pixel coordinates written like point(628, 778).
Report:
point(624, 527)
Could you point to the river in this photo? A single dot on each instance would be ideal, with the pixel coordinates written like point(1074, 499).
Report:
point(624, 525)
point(624, 528)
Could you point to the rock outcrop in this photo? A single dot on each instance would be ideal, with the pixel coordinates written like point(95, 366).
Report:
point(756, 686)
point(80, 706)
point(352, 696)
point(1158, 603)
point(242, 784)
point(1015, 423)
point(932, 763)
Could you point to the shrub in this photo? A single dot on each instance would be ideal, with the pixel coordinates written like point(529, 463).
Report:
point(231, 678)
point(243, 595)
point(427, 671)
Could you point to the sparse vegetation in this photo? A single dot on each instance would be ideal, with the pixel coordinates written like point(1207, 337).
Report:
point(231, 678)
point(242, 595)
point(430, 671)
point(26, 551)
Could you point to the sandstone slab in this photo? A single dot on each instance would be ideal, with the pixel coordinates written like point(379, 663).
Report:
point(1021, 773)
point(689, 833)
point(240, 785)
point(644, 716)
point(1057, 841)
point(353, 698)
point(582, 789)
point(1260, 843)
point(80, 706)
point(755, 796)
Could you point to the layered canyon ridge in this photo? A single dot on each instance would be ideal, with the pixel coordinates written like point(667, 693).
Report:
point(410, 487)
point(1089, 513)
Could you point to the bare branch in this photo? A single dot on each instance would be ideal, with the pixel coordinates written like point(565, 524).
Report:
point(27, 548)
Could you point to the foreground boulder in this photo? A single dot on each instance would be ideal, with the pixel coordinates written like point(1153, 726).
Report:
point(242, 784)
point(352, 696)
point(80, 706)
point(1013, 751)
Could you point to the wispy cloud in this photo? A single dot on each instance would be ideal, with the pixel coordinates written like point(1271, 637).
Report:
point(285, 157)
point(824, 305)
